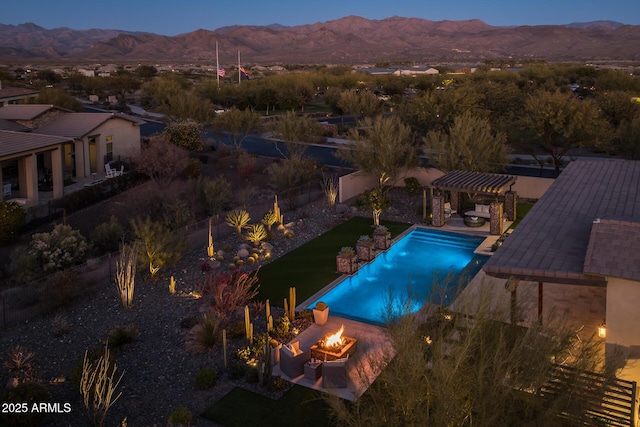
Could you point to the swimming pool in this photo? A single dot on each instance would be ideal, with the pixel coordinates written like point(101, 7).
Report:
point(405, 274)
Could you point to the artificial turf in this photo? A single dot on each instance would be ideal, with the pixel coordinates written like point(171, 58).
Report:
point(299, 406)
point(312, 266)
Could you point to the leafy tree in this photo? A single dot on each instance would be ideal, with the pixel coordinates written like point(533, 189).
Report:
point(293, 128)
point(162, 161)
point(58, 98)
point(237, 124)
point(214, 193)
point(187, 134)
point(378, 201)
point(359, 103)
point(562, 122)
point(157, 246)
point(146, 71)
point(468, 145)
point(382, 150)
point(629, 139)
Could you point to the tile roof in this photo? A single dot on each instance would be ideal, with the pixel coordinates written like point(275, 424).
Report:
point(551, 242)
point(19, 142)
point(614, 249)
point(11, 92)
point(474, 182)
point(26, 111)
point(79, 125)
point(9, 125)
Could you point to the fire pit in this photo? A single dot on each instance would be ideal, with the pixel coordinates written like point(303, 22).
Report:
point(334, 346)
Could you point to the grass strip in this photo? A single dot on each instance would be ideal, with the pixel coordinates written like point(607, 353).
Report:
point(299, 406)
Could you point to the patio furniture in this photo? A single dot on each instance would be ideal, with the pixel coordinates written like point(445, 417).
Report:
point(480, 210)
point(313, 370)
point(111, 172)
point(292, 359)
point(474, 221)
point(448, 211)
point(334, 373)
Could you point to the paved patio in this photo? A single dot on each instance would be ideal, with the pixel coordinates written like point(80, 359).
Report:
point(363, 367)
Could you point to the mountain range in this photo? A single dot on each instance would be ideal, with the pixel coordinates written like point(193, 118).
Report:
point(348, 40)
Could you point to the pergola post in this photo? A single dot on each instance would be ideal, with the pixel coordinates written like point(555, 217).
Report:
point(495, 223)
point(456, 201)
point(437, 210)
point(510, 205)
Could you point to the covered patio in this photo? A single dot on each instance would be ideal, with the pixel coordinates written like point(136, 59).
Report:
point(488, 184)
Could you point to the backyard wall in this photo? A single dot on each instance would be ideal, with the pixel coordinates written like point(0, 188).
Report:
point(353, 184)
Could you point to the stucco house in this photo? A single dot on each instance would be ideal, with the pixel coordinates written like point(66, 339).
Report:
point(584, 234)
point(13, 95)
point(46, 141)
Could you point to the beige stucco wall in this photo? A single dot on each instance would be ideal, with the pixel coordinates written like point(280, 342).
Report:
point(355, 183)
point(623, 324)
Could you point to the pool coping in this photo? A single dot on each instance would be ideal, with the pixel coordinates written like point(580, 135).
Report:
point(483, 249)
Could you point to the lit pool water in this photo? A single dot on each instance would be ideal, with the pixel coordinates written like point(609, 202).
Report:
point(423, 266)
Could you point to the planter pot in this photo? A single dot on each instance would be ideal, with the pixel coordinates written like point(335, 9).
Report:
point(320, 317)
point(346, 264)
point(382, 240)
point(366, 251)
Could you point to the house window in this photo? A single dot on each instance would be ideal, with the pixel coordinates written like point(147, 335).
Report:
point(109, 156)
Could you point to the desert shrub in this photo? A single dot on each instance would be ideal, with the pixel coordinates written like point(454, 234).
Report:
point(206, 378)
point(245, 195)
point(19, 363)
point(107, 236)
point(247, 165)
point(61, 290)
point(225, 293)
point(412, 186)
point(123, 335)
point(193, 169)
point(277, 384)
point(29, 393)
point(177, 214)
point(238, 370)
point(180, 417)
point(59, 249)
point(187, 134)
point(214, 194)
point(236, 330)
point(205, 334)
point(98, 386)
point(12, 217)
point(281, 327)
point(60, 325)
point(157, 247)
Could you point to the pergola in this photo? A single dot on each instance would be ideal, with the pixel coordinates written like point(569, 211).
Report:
point(490, 184)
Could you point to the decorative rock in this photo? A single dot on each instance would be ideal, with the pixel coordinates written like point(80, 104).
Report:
point(341, 208)
point(266, 246)
point(243, 253)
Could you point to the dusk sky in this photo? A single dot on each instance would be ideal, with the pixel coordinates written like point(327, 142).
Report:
point(176, 17)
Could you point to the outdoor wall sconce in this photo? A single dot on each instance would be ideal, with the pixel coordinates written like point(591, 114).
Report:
point(602, 330)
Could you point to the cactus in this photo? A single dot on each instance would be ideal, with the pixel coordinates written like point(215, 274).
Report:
point(238, 219)
point(267, 308)
point(224, 347)
point(292, 303)
point(172, 285)
point(267, 367)
point(248, 327)
point(210, 248)
point(321, 305)
point(276, 211)
point(256, 234)
point(270, 323)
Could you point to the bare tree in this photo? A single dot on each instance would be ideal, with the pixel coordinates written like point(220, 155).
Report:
point(162, 161)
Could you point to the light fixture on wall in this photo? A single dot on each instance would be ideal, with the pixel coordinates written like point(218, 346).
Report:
point(602, 330)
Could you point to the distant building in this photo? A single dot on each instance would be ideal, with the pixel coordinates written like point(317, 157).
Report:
point(13, 95)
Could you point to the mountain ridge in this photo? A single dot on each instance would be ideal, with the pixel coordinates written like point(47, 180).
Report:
point(351, 39)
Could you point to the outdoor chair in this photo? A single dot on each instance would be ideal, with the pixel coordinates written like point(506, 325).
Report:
point(110, 173)
point(448, 211)
point(334, 373)
point(292, 359)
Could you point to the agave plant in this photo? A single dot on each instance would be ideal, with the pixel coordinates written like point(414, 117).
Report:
point(256, 234)
point(238, 219)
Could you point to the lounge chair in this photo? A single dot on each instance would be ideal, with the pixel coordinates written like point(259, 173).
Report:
point(334, 373)
point(292, 359)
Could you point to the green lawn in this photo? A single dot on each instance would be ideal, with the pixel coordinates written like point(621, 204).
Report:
point(299, 406)
point(312, 266)
point(521, 210)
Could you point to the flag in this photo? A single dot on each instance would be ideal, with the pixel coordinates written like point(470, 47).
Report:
point(221, 72)
point(244, 74)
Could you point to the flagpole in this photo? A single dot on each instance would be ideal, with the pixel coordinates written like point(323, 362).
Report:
point(239, 72)
point(217, 65)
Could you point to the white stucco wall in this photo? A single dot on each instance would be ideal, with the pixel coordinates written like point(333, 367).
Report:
point(623, 323)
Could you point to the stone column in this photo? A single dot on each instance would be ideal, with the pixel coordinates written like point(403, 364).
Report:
point(510, 204)
point(456, 201)
point(495, 223)
point(437, 210)
point(57, 176)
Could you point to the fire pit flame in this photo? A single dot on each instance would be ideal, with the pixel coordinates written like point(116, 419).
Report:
point(334, 340)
